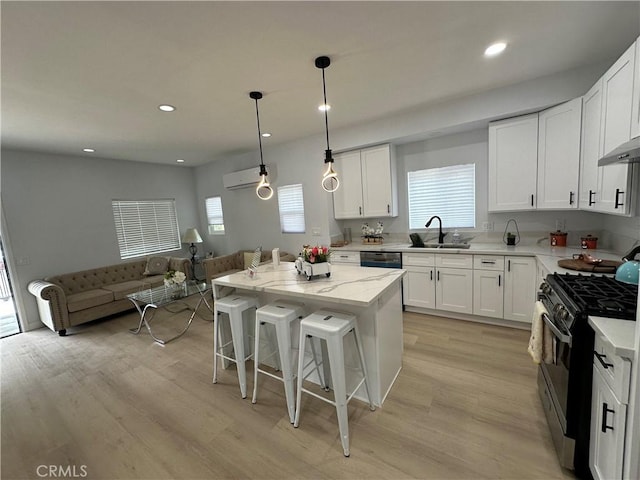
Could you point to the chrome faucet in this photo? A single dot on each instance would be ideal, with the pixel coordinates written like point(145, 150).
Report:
point(441, 234)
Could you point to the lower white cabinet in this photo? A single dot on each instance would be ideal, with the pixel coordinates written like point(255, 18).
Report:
point(610, 395)
point(454, 290)
point(418, 287)
point(519, 288)
point(352, 258)
point(488, 293)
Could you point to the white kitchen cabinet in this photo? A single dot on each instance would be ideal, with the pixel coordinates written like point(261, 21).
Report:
point(519, 288)
point(418, 286)
point(591, 148)
point(352, 258)
point(615, 129)
point(454, 290)
point(559, 156)
point(368, 184)
point(488, 285)
point(610, 395)
point(635, 109)
point(513, 159)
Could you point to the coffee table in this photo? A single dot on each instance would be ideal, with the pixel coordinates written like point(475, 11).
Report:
point(151, 299)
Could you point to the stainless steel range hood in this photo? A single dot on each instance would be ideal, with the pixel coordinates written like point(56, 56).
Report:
point(628, 152)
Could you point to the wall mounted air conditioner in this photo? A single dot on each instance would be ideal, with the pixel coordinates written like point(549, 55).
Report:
point(246, 178)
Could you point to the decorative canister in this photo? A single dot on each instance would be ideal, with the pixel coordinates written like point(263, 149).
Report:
point(589, 242)
point(558, 239)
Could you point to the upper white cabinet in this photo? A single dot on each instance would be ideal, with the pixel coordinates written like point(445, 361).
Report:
point(559, 156)
point(513, 157)
point(368, 184)
point(615, 129)
point(591, 148)
point(635, 109)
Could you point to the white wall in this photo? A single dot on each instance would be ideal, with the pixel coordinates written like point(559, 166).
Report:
point(58, 211)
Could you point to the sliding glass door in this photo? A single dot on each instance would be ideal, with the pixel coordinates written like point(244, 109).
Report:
point(9, 324)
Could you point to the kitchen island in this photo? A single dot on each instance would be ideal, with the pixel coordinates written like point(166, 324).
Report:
point(372, 294)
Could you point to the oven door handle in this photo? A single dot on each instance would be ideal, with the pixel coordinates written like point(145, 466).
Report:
point(563, 337)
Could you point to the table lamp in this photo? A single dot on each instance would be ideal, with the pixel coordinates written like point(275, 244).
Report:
point(192, 236)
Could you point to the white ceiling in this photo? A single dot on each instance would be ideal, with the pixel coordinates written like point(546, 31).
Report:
point(91, 74)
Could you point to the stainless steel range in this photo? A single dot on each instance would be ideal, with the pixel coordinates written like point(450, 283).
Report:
point(565, 384)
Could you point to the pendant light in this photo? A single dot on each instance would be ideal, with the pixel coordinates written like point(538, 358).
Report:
point(263, 190)
point(330, 181)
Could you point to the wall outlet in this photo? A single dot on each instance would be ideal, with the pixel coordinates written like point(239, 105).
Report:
point(23, 261)
point(316, 231)
point(487, 226)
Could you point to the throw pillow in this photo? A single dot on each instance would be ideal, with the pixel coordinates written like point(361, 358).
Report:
point(248, 258)
point(156, 266)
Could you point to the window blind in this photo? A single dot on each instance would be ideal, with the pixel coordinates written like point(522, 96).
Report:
point(145, 227)
point(215, 218)
point(448, 192)
point(291, 206)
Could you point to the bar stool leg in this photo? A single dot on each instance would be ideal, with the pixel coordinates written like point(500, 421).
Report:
point(256, 349)
point(336, 354)
point(283, 335)
point(216, 332)
point(301, 346)
point(356, 336)
point(237, 334)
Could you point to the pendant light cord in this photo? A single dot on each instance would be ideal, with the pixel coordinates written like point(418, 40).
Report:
point(326, 107)
point(259, 134)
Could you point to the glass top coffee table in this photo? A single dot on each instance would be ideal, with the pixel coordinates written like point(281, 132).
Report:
point(163, 296)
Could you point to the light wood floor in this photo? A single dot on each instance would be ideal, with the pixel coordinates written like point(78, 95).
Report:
point(465, 406)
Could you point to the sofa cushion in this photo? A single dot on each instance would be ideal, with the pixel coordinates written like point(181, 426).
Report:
point(156, 265)
point(121, 290)
point(88, 299)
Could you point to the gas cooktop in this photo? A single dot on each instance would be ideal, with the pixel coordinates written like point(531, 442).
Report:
point(599, 295)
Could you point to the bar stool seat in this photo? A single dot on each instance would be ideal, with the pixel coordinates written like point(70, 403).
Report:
point(331, 327)
point(234, 306)
point(281, 315)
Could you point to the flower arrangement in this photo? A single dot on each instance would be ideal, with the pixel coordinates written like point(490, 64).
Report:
point(173, 277)
point(317, 254)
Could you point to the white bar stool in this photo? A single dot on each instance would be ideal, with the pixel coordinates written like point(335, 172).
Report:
point(281, 315)
point(332, 327)
point(234, 306)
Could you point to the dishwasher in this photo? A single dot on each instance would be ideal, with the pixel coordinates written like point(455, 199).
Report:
point(381, 259)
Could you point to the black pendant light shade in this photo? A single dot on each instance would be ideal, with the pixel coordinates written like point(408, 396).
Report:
point(330, 181)
point(263, 190)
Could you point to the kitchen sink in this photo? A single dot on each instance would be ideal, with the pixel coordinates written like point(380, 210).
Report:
point(445, 245)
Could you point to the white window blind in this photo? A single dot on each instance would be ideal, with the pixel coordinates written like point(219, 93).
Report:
point(291, 206)
point(145, 227)
point(449, 192)
point(215, 218)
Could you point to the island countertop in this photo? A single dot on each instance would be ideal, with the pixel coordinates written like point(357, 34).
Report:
point(348, 285)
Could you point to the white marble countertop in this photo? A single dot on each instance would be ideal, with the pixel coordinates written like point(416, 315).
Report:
point(546, 254)
point(620, 334)
point(349, 285)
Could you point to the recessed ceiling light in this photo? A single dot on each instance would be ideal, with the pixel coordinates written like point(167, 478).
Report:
point(180, 160)
point(495, 49)
point(88, 150)
point(266, 134)
point(166, 108)
point(324, 107)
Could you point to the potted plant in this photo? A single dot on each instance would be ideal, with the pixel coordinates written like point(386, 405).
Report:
point(314, 261)
point(511, 238)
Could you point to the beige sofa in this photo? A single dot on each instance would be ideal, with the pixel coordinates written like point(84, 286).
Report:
point(74, 298)
point(235, 262)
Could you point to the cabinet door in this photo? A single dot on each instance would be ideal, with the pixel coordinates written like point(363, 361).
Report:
point(347, 200)
point(418, 287)
point(617, 94)
point(513, 159)
point(488, 293)
point(635, 111)
point(377, 194)
point(519, 288)
point(591, 147)
point(454, 290)
point(608, 417)
point(559, 156)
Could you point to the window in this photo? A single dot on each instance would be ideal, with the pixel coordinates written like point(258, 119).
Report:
point(448, 192)
point(291, 206)
point(145, 227)
point(214, 215)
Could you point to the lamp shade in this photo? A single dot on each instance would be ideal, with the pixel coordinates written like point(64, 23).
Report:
point(191, 236)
